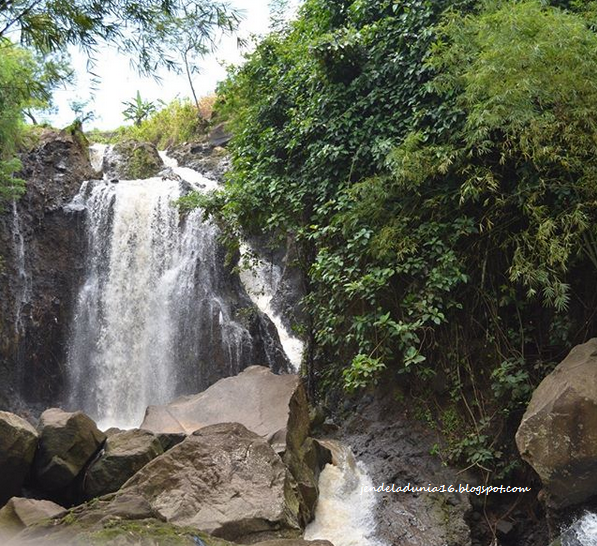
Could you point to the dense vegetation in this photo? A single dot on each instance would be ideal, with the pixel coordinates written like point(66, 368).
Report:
point(435, 162)
point(26, 84)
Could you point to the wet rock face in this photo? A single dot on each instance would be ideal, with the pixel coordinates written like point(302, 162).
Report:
point(18, 442)
point(558, 432)
point(396, 450)
point(40, 272)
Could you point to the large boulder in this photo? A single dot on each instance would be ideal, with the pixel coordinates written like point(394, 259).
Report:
point(125, 453)
point(224, 480)
point(18, 441)
point(21, 513)
point(68, 441)
point(273, 406)
point(558, 432)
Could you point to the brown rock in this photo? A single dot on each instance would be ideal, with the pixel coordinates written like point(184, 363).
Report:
point(272, 406)
point(558, 432)
point(223, 480)
point(125, 453)
point(18, 441)
point(21, 513)
point(67, 443)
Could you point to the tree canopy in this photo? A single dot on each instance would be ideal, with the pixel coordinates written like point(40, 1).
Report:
point(151, 31)
point(26, 83)
point(139, 28)
point(435, 161)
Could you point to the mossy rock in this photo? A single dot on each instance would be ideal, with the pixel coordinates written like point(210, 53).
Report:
point(132, 160)
point(71, 531)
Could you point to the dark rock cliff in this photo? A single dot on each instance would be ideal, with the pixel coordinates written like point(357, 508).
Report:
point(42, 268)
point(39, 284)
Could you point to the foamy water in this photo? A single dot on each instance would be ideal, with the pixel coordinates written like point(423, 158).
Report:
point(582, 533)
point(345, 512)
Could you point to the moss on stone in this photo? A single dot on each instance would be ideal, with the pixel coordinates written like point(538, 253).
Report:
point(150, 532)
point(72, 531)
point(139, 159)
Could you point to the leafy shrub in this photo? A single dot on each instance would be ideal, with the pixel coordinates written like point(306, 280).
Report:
point(435, 162)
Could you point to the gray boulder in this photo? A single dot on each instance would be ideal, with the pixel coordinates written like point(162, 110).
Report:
point(272, 406)
point(18, 441)
point(558, 432)
point(21, 513)
point(256, 398)
point(68, 441)
point(223, 480)
point(125, 453)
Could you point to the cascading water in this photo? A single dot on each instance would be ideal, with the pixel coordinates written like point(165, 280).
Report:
point(152, 316)
point(22, 280)
point(581, 533)
point(260, 281)
point(345, 510)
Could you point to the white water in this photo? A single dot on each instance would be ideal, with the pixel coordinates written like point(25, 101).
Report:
point(22, 288)
point(261, 280)
point(344, 514)
point(582, 533)
point(97, 153)
point(149, 322)
point(124, 310)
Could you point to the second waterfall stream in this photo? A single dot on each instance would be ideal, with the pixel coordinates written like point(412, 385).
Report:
point(153, 304)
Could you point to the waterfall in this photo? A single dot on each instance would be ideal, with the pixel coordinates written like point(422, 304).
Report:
point(261, 280)
point(22, 282)
point(153, 317)
point(345, 510)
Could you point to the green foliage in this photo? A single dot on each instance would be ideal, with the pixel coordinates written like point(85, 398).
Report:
point(139, 27)
point(362, 372)
point(435, 161)
point(178, 122)
point(26, 83)
point(138, 110)
point(524, 77)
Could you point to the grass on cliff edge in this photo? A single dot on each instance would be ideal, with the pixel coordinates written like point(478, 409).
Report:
point(177, 122)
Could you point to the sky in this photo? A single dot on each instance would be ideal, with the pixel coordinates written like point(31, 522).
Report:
point(119, 82)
